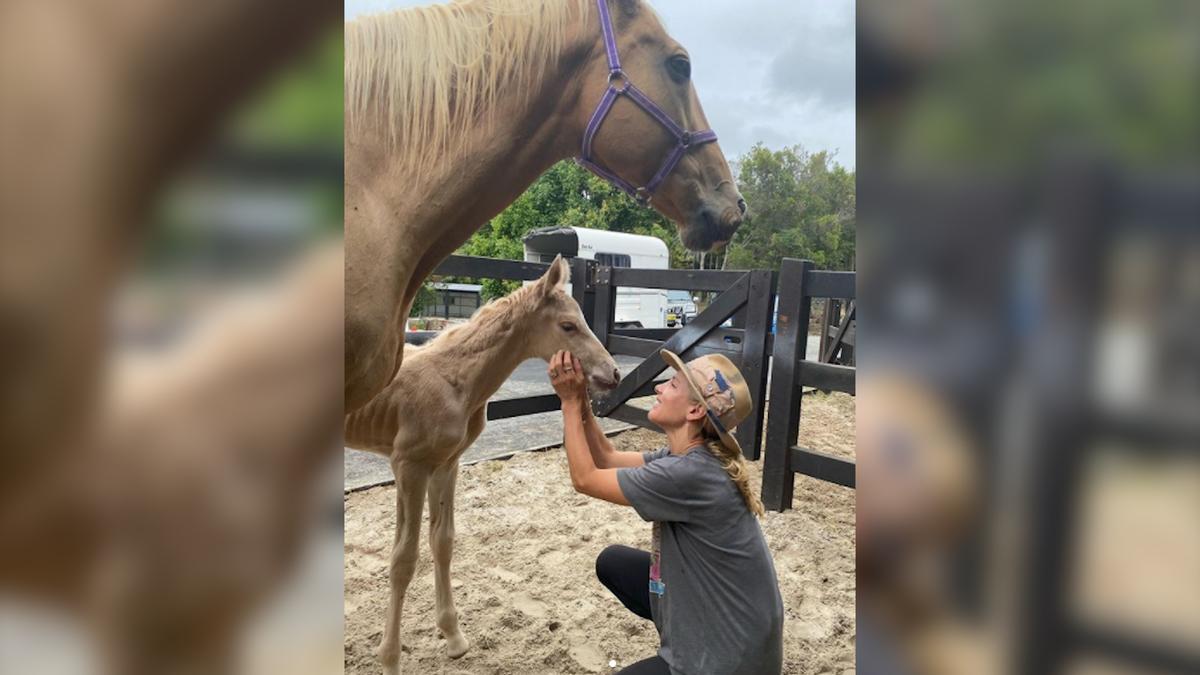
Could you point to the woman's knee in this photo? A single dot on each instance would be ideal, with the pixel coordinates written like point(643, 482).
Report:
point(607, 560)
point(616, 559)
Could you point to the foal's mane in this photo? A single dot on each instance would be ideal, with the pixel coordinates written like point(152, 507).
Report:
point(502, 309)
point(432, 74)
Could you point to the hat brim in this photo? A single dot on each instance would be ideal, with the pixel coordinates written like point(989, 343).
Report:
point(677, 363)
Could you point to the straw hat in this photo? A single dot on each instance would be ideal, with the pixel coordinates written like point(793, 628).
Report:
point(719, 385)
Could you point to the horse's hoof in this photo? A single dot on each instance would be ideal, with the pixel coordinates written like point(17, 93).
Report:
point(457, 646)
point(391, 664)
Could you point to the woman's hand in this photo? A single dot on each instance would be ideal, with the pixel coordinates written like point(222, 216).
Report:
point(566, 375)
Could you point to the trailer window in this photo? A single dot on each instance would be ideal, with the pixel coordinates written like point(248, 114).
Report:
point(614, 260)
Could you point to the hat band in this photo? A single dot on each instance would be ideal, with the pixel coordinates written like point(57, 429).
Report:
point(716, 422)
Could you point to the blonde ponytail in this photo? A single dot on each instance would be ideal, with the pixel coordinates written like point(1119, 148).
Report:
point(735, 465)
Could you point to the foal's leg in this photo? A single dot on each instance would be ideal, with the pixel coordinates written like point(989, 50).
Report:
point(441, 540)
point(411, 480)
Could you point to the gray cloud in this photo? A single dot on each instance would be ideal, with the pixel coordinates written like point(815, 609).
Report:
point(818, 63)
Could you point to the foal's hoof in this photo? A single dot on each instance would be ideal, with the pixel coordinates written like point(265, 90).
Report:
point(456, 646)
point(391, 664)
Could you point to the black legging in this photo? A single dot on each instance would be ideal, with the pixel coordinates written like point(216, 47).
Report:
point(626, 572)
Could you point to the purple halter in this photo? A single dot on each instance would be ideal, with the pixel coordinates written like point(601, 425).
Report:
point(684, 139)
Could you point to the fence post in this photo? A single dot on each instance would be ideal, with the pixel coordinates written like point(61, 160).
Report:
point(583, 288)
point(829, 317)
point(783, 421)
point(606, 305)
point(1081, 211)
point(759, 303)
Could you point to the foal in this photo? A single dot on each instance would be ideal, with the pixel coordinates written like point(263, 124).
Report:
point(435, 408)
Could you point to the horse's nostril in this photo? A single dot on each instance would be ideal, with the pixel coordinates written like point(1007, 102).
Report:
point(742, 206)
point(616, 375)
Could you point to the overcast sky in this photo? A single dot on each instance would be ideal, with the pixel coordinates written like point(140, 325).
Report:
point(776, 71)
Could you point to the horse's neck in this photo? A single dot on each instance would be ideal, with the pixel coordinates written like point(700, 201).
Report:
point(419, 216)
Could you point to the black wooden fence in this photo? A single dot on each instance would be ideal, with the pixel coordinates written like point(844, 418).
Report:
point(799, 283)
point(1084, 212)
point(745, 299)
point(1090, 219)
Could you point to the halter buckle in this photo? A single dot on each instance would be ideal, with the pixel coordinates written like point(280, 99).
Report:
point(619, 75)
point(685, 139)
point(643, 196)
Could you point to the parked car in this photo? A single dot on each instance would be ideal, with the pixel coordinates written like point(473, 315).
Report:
point(681, 308)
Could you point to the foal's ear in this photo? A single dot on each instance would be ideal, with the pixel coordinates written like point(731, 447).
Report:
point(556, 276)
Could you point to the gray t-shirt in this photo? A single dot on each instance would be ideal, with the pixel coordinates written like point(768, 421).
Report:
point(714, 595)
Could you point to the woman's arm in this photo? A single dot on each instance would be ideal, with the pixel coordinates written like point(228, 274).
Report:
point(585, 475)
point(603, 452)
point(566, 375)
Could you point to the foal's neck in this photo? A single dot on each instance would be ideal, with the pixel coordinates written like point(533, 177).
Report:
point(483, 354)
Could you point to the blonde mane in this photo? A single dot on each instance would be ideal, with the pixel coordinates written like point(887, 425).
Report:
point(432, 75)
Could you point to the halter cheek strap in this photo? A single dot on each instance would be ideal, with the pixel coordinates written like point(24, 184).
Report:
point(620, 85)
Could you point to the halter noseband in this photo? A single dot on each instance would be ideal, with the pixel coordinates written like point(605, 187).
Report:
point(618, 85)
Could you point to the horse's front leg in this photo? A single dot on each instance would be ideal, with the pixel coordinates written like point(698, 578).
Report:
point(411, 481)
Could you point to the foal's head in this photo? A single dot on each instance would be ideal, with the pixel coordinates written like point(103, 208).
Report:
point(557, 323)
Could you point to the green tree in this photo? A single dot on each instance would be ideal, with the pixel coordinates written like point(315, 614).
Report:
point(801, 206)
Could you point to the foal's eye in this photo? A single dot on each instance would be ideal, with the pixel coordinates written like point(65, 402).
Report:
point(680, 68)
point(567, 327)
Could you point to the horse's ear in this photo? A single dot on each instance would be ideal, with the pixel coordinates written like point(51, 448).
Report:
point(556, 276)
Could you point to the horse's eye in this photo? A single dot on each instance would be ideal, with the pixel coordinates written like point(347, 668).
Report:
point(567, 326)
point(679, 67)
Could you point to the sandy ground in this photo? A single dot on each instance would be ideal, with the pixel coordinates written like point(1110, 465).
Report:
point(524, 579)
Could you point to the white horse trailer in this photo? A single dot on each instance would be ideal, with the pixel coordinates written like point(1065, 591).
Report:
point(636, 307)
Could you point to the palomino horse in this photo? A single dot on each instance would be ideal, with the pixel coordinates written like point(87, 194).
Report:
point(435, 408)
point(453, 110)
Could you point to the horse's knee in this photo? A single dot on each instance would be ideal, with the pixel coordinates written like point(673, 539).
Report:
point(402, 566)
point(441, 539)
